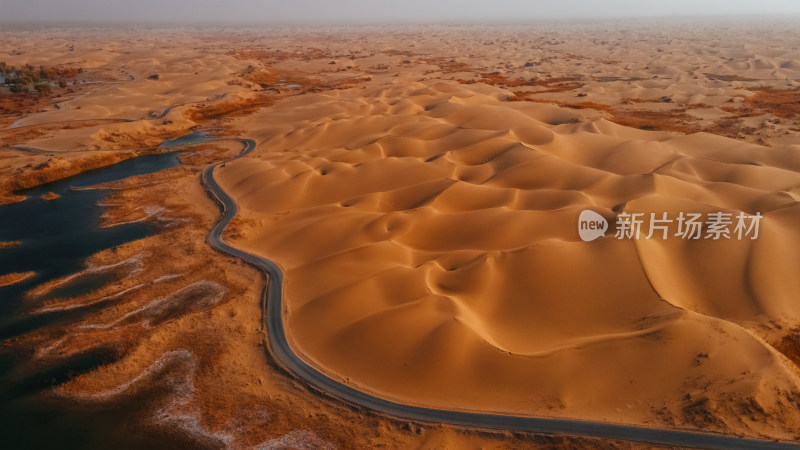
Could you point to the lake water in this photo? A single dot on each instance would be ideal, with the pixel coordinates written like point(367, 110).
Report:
point(196, 137)
point(56, 237)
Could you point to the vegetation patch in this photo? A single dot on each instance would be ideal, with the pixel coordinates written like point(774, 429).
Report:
point(42, 79)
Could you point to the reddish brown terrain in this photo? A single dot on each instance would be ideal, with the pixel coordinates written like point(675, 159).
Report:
point(419, 188)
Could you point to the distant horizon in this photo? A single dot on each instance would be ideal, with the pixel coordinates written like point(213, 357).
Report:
point(768, 18)
point(374, 12)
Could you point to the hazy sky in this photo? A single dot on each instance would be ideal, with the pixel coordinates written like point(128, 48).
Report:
point(380, 11)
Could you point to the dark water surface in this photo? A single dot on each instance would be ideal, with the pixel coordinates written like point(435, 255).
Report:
point(56, 237)
point(196, 137)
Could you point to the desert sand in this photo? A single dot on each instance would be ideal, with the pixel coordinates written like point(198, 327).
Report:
point(420, 189)
point(431, 255)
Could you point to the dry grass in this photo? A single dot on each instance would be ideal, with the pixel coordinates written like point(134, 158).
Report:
point(550, 84)
point(634, 100)
point(50, 168)
point(498, 79)
point(783, 103)
point(270, 55)
point(205, 112)
point(447, 65)
point(17, 136)
point(730, 127)
point(393, 52)
point(267, 77)
point(14, 106)
point(672, 120)
point(780, 103)
point(790, 347)
point(714, 76)
point(342, 83)
point(13, 278)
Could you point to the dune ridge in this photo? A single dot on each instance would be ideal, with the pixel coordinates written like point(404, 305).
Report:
point(428, 235)
point(420, 188)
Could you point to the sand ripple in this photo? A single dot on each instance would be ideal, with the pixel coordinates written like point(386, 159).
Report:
point(428, 236)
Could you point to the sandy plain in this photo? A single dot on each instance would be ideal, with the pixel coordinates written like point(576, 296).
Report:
point(420, 188)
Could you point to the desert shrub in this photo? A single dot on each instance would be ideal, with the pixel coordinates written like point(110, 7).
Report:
point(19, 79)
point(43, 88)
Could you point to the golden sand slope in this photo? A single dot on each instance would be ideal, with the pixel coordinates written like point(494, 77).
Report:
point(428, 236)
point(427, 229)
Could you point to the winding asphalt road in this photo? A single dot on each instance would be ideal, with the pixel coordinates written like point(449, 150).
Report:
point(283, 354)
point(280, 349)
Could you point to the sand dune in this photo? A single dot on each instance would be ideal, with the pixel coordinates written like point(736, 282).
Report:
point(420, 188)
point(428, 236)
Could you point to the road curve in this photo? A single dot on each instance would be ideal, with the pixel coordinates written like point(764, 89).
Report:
point(282, 352)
